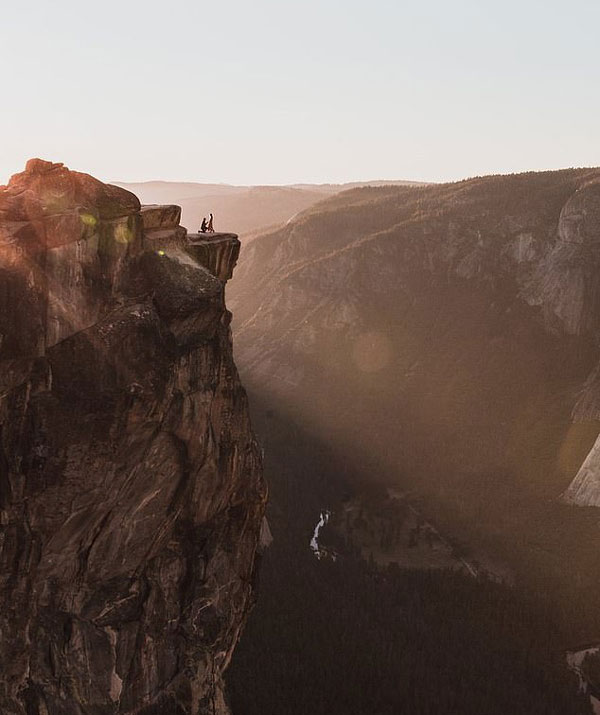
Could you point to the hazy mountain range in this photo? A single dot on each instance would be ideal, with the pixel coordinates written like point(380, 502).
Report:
point(240, 209)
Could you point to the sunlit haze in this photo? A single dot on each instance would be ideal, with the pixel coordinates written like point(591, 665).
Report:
point(317, 91)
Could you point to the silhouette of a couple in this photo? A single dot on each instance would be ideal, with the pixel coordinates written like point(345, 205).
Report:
point(207, 225)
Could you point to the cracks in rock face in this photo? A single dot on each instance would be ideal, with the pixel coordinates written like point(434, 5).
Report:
point(85, 553)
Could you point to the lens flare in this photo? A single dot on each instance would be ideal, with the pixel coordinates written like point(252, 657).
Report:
point(88, 219)
point(123, 234)
point(372, 351)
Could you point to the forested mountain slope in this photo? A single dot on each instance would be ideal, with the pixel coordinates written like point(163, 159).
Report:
point(444, 339)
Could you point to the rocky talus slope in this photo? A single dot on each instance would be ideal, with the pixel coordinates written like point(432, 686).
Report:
point(131, 487)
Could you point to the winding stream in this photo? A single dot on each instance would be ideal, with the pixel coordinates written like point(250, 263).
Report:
point(314, 542)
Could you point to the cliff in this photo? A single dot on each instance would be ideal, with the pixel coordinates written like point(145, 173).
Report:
point(131, 488)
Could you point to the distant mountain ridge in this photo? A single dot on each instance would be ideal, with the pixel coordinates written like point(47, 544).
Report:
point(243, 209)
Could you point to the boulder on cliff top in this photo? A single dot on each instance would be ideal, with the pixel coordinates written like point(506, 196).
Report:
point(157, 216)
point(46, 188)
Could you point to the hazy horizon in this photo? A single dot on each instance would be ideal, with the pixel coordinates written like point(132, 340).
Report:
point(300, 183)
point(275, 94)
point(396, 179)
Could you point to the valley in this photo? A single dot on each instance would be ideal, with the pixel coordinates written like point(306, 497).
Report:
point(351, 636)
point(247, 210)
point(443, 341)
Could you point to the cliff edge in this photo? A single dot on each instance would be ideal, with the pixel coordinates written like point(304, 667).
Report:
point(131, 487)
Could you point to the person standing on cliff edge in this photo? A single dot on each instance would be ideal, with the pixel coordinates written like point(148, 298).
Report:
point(210, 228)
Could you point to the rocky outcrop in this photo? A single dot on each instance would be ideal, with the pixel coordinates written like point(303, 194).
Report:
point(584, 490)
point(566, 281)
point(217, 252)
point(131, 489)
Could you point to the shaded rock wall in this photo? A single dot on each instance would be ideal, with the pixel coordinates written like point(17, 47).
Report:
point(131, 489)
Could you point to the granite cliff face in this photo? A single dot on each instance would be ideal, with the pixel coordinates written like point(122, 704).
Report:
point(131, 488)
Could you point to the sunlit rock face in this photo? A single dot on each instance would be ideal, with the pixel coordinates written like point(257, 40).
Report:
point(131, 489)
point(566, 281)
point(584, 490)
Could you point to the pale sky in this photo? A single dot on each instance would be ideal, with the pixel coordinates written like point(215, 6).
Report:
point(286, 91)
